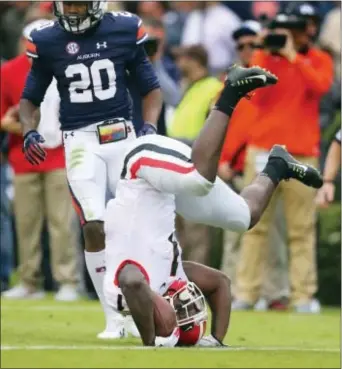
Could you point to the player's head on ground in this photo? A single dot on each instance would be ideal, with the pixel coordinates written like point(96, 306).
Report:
point(191, 311)
point(78, 16)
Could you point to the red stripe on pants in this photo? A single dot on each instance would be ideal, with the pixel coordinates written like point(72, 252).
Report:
point(155, 163)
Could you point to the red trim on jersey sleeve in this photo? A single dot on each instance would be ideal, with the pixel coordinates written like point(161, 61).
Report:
point(126, 262)
point(149, 162)
point(31, 49)
point(141, 34)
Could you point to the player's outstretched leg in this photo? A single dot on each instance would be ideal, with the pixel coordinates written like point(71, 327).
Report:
point(224, 208)
point(206, 150)
point(280, 166)
point(221, 206)
point(138, 296)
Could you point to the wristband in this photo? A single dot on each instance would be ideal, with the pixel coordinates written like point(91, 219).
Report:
point(29, 132)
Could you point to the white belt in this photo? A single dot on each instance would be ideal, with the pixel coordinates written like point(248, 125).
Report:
point(93, 127)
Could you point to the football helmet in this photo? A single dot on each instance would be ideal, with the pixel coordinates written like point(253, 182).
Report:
point(191, 311)
point(76, 23)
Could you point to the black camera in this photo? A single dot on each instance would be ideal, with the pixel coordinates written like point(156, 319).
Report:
point(275, 41)
point(151, 46)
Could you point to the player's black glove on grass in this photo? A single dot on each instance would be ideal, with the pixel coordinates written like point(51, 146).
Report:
point(32, 148)
point(239, 82)
point(147, 129)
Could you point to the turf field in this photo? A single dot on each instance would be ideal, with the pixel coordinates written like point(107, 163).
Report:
point(47, 334)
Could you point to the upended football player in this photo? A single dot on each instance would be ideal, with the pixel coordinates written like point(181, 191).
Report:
point(141, 253)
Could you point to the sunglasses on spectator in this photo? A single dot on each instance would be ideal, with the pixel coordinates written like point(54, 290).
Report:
point(241, 46)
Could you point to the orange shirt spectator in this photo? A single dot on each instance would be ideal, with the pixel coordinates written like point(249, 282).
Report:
point(289, 111)
point(241, 123)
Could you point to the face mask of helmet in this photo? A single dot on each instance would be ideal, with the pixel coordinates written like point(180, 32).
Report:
point(76, 23)
point(189, 304)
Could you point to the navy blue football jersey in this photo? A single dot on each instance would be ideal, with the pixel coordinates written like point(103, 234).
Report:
point(90, 68)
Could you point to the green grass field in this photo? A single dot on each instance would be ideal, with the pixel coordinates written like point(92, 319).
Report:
point(47, 334)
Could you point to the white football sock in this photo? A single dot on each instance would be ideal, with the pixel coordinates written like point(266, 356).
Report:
point(96, 265)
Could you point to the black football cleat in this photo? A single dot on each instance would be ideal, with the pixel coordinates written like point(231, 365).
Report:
point(245, 80)
point(239, 83)
point(304, 173)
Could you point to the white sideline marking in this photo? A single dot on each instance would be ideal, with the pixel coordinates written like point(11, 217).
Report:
point(142, 348)
point(52, 307)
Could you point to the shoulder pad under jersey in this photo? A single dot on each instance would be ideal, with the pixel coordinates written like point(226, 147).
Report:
point(132, 21)
point(39, 37)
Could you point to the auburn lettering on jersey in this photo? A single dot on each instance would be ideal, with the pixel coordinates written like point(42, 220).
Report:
point(90, 68)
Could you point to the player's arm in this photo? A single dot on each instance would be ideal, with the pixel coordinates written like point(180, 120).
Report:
point(326, 194)
point(147, 82)
point(318, 78)
point(151, 107)
point(37, 83)
point(215, 286)
point(333, 161)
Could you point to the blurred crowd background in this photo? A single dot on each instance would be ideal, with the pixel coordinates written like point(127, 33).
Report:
point(191, 45)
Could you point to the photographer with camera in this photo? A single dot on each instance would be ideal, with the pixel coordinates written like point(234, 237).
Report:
point(288, 114)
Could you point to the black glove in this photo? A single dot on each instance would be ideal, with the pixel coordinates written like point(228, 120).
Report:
point(147, 129)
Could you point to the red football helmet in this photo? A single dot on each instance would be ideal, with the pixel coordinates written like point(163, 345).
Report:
point(191, 311)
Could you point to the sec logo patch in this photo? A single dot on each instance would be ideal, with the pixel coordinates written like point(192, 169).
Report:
point(72, 48)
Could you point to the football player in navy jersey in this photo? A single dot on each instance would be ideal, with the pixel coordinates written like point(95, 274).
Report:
point(89, 52)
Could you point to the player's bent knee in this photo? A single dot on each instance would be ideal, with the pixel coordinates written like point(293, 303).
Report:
point(226, 280)
point(131, 278)
point(242, 220)
point(94, 236)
